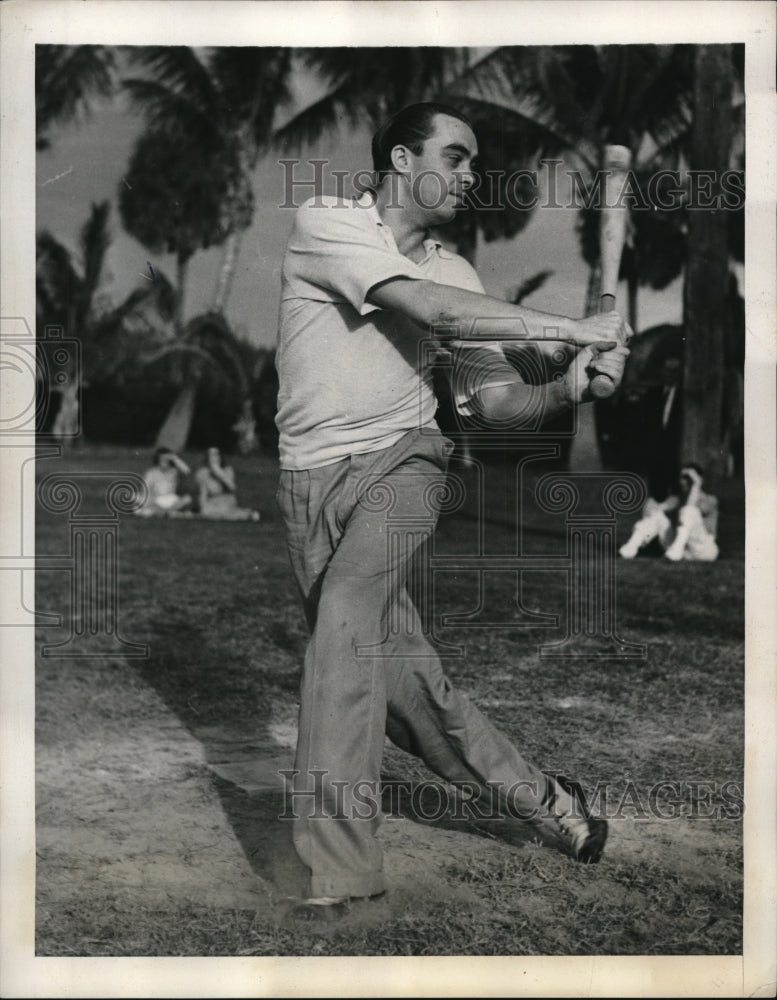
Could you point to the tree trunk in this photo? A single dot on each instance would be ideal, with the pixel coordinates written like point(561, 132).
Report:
point(706, 278)
point(632, 289)
point(174, 432)
point(182, 267)
point(226, 277)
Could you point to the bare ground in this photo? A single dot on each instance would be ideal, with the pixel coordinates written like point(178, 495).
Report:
point(136, 812)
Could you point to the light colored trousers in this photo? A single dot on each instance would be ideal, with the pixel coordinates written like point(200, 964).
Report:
point(698, 543)
point(351, 581)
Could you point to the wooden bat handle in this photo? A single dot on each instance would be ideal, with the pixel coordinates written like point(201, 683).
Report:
point(607, 303)
point(617, 160)
point(602, 386)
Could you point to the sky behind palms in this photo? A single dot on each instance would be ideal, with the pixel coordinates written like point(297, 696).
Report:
point(87, 160)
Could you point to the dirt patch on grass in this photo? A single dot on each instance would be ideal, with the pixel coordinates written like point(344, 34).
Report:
point(139, 815)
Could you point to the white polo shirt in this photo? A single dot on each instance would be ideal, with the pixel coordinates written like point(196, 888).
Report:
point(353, 378)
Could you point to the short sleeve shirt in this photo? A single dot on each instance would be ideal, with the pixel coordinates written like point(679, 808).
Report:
point(354, 378)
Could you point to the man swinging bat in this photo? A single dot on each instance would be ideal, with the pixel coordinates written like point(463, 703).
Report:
point(364, 284)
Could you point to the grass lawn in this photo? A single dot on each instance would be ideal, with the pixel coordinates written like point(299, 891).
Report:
point(157, 789)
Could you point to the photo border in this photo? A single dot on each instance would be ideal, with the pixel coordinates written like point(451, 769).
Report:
point(359, 22)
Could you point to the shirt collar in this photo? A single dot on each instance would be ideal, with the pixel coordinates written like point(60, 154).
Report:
point(367, 201)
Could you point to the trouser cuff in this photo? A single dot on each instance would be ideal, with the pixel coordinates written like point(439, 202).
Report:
point(367, 884)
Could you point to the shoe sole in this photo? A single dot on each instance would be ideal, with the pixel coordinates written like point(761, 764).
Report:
point(593, 848)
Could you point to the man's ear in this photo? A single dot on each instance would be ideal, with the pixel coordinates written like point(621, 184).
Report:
point(400, 159)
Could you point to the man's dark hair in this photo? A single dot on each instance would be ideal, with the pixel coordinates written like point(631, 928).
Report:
point(161, 452)
point(409, 127)
point(695, 466)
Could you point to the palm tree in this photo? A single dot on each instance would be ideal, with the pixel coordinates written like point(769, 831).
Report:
point(706, 290)
point(67, 79)
point(649, 98)
point(225, 98)
point(364, 86)
point(209, 354)
point(68, 295)
point(579, 98)
point(184, 192)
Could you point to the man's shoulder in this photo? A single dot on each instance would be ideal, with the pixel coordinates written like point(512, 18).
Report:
point(323, 214)
point(325, 206)
point(324, 201)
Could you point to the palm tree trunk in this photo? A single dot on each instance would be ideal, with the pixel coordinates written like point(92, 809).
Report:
point(632, 287)
point(706, 277)
point(226, 277)
point(182, 267)
point(174, 432)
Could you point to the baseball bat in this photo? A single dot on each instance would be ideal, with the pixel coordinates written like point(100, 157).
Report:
point(612, 235)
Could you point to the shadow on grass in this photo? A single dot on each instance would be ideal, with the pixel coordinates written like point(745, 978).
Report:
point(245, 771)
point(228, 708)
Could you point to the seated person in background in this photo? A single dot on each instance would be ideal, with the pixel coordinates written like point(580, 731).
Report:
point(685, 524)
point(216, 485)
point(162, 484)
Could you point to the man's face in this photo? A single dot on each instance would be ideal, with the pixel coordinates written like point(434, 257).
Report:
point(442, 171)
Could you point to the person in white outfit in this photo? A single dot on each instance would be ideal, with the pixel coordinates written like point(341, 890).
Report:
point(162, 479)
point(685, 524)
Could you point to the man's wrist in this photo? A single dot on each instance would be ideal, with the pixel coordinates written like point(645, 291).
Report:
point(566, 329)
point(561, 395)
point(554, 328)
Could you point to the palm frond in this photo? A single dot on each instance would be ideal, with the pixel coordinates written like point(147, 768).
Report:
point(94, 240)
point(212, 333)
point(180, 69)
point(58, 284)
point(524, 118)
point(329, 113)
point(530, 285)
point(67, 78)
point(254, 85)
point(389, 78)
point(165, 109)
point(139, 296)
point(530, 81)
point(164, 295)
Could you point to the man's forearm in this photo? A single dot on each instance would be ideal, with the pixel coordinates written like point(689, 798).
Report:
point(520, 405)
point(481, 317)
point(457, 313)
